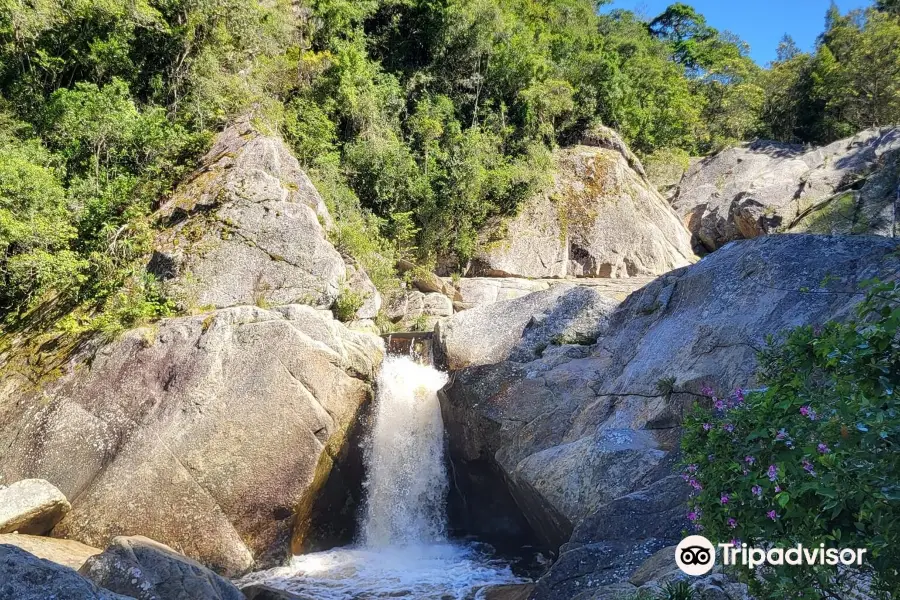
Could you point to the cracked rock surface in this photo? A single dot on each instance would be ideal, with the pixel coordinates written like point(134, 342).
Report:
point(601, 218)
point(847, 187)
point(586, 436)
point(249, 228)
point(211, 434)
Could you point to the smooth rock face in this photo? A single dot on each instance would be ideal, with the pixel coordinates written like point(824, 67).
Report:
point(847, 187)
point(146, 570)
point(476, 291)
point(24, 576)
point(67, 553)
point(31, 506)
point(247, 228)
point(601, 218)
point(232, 417)
point(586, 437)
point(518, 329)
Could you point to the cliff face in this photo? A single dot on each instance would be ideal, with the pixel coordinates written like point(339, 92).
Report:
point(584, 437)
point(847, 187)
point(210, 433)
point(601, 218)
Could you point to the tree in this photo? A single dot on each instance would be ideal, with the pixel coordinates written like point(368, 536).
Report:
point(787, 49)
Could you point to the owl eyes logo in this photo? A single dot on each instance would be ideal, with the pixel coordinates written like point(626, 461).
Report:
point(695, 555)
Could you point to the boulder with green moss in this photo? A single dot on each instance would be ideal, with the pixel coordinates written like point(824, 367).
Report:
point(847, 187)
point(600, 218)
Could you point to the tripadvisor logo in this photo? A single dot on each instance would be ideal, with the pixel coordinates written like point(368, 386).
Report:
point(696, 555)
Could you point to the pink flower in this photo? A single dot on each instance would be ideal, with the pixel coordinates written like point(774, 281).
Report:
point(724, 498)
point(728, 427)
point(732, 523)
point(824, 449)
point(706, 390)
point(777, 488)
point(749, 460)
point(804, 410)
point(772, 515)
point(739, 396)
point(719, 405)
point(772, 472)
point(695, 484)
point(693, 515)
point(757, 491)
point(692, 468)
point(808, 467)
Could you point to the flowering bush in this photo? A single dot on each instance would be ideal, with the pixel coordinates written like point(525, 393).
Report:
point(813, 456)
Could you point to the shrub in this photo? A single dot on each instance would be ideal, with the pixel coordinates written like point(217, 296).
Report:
point(812, 457)
point(348, 302)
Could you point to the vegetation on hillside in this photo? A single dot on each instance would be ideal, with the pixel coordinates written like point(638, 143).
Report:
point(417, 119)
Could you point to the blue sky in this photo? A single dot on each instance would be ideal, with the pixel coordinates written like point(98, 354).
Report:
point(761, 23)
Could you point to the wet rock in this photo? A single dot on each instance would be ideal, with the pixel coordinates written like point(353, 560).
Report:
point(67, 553)
point(24, 576)
point(259, 591)
point(31, 506)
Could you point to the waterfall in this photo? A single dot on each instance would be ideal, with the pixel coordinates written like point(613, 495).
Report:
point(406, 484)
point(403, 549)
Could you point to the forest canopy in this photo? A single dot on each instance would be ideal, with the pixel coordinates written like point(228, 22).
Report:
point(418, 120)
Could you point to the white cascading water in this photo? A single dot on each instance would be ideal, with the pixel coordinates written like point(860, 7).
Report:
point(403, 551)
point(406, 482)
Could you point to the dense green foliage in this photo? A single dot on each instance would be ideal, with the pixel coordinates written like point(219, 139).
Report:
point(812, 457)
point(419, 120)
point(851, 81)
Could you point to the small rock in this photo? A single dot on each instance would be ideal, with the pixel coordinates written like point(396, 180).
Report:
point(31, 506)
point(147, 570)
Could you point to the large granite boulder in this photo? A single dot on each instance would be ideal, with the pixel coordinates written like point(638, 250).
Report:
point(31, 506)
point(24, 576)
point(147, 570)
point(211, 433)
point(521, 328)
point(249, 228)
point(585, 437)
point(601, 218)
point(847, 187)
